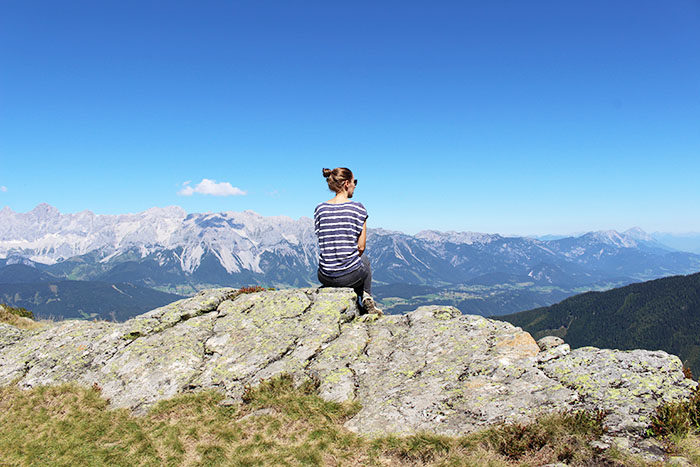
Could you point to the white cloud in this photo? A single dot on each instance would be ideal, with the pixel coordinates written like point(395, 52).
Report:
point(3, 188)
point(210, 187)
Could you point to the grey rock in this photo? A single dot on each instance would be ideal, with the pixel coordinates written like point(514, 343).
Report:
point(435, 369)
point(169, 315)
point(10, 334)
point(553, 352)
point(628, 384)
point(549, 342)
point(259, 413)
point(650, 449)
point(432, 369)
point(599, 445)
point(228, 402)
point(621, 443)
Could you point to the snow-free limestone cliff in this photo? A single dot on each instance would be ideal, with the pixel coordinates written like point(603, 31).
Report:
point(432, 369)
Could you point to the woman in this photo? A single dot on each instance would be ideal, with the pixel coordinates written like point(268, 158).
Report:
point(341, 228)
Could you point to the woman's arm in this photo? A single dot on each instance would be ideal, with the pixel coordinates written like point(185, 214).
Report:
point(362, 240)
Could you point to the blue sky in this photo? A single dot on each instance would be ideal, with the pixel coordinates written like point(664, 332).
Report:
point(494, 116)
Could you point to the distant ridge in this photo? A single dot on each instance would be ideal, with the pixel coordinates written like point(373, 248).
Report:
point(21, 273)
point(62, 299)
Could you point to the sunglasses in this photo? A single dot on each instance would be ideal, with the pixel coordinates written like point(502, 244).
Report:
point(355, 182)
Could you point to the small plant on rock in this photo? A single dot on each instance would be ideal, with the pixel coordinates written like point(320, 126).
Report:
point(687, 372)
point(251, 289)
point(677, 418)
point(247, 290)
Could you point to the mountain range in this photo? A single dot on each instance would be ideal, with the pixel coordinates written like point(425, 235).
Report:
point(173, 251)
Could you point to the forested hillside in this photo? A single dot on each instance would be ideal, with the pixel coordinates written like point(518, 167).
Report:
point(84, 299)
point(660, 314)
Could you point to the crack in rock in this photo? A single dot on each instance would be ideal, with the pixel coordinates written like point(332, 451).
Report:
point(265, 366)
point(169, 316)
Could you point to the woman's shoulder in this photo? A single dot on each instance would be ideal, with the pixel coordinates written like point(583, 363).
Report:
point(339, 206)
point(324, 207)
point(344, 203)
point(359, 205)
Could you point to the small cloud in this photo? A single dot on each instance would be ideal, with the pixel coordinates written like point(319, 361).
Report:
point(274, 193)
point(210, 187)
point(3, 188)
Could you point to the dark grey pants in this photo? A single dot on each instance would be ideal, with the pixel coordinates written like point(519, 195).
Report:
point(360, 279)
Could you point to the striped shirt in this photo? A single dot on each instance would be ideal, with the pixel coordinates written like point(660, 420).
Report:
point(338, 226)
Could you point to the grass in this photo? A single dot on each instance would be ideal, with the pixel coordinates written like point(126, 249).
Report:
point(687, 446)
point(275, 424)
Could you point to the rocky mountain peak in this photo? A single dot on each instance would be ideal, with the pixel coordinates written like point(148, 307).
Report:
point(638, 234)
point(611, 237)
point(44, 211)
point(432, 369)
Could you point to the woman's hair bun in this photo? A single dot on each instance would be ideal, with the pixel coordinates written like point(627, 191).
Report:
point(337, 177)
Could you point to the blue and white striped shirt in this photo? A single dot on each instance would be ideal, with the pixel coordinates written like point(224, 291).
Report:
point(338, 226)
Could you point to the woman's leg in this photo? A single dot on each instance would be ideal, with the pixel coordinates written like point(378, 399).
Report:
point(357, 279)
point(367, 283)
point(354, 279)
point(367, 301)
point(360, 280)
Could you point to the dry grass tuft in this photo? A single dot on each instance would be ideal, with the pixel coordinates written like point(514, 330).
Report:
point(22, 322)
point(689, 447)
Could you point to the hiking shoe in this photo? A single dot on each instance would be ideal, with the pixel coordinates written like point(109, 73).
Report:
point(370, 306)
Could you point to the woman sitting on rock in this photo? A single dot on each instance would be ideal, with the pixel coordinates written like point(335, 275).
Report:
point(341, 228)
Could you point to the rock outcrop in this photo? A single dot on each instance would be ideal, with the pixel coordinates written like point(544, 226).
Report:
point(431, 369)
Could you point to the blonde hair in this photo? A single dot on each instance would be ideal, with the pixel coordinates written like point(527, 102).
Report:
point(337, 177)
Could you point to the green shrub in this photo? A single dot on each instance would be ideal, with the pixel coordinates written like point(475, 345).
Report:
point(687, 372)
point(677, 418)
